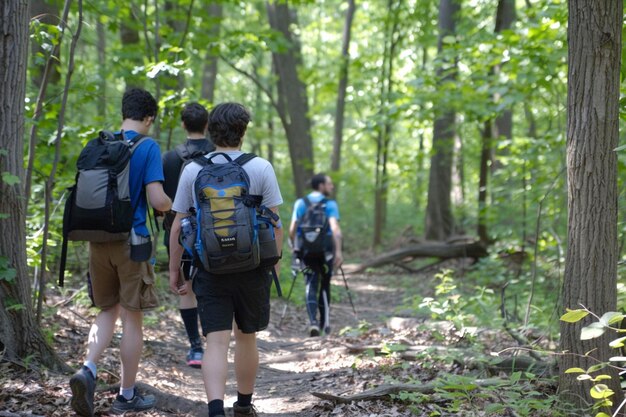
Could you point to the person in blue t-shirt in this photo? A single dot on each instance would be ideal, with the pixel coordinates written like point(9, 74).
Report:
point(122, 287)
point(318, 270)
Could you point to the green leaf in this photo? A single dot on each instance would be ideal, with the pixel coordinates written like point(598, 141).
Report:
point(617, 359)
point(584, 377)
point(572, 316)
point(575, 371)
point(596, 368)
point(10, 179)
point(600, 391)
point(611, 317)
point(602, 415)
point(617, 343)
point(592, 331)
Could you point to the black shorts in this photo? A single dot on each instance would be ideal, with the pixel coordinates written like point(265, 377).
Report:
point(244, 296)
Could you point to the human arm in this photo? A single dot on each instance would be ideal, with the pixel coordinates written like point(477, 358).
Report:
point(279, 236)
point(176, 253)
point(157, 197)
point(337, 240)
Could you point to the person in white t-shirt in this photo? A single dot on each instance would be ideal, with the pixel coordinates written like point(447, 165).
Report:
point(244, 297)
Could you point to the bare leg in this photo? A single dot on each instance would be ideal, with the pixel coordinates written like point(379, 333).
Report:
point(246, 361)
point(101, 333)
point(131, 346)
point(215, 364)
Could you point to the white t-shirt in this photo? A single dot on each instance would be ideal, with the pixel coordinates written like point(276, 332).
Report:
point(262, 182)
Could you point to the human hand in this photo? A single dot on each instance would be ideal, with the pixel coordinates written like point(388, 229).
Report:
point(338, 261)
point(175, 286)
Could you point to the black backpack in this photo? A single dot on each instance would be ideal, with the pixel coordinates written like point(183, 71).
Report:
point(98, 208)
point(186, 156)
point(313, 241)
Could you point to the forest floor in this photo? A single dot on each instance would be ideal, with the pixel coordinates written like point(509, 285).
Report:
point(293, 366)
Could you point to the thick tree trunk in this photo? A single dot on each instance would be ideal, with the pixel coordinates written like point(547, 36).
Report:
point(439, 218)
point(341, 89)
point(595, 39)
point(294, 114)
point(19, 335)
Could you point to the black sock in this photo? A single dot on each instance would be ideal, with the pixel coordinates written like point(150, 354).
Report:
point(244, 400)
point(190, 319)
point(216, 408)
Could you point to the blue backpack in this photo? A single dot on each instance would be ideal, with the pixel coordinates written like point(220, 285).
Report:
point(233, 233)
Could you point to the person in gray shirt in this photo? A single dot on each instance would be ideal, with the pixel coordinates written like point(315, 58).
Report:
point(245, 296)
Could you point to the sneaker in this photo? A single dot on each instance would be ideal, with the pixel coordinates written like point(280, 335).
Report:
point(139, 403)
point(248, 411)
point(314, 330)
point(83, 386)
point(194, 358)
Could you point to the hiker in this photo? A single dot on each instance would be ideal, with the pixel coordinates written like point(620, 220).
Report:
point(315, 237)
point(195, 119)
point(244, 296)
point(121, 287)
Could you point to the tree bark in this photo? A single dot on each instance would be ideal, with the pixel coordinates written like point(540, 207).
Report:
point(294, 114)
point(594, 55)
point(439, 217)
point(209, 71)
point(384, 127)
point(20, 337)
point(48, 13)
point(131, 49)
point(341, 89)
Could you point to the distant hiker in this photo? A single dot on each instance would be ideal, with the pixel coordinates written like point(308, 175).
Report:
point(316, 237)
point(195, 119)
point(224, 243)
point(123, 287)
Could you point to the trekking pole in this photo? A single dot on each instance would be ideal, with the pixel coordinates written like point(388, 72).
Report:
point(345, 282)
point(294, 274)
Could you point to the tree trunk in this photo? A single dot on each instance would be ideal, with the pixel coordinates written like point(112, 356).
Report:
point(209, 71)
point(485, 157)
point(20, 337)
point(384, 127)
point(132, 51)
point(594, 34)
point(46, 12)
point(294, 114)
point(341, 89)
point(102, 70)
point(439, 218)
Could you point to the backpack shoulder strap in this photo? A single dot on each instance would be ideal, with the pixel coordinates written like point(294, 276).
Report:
point(182, 151)
point(306, 200)
point(244, 158)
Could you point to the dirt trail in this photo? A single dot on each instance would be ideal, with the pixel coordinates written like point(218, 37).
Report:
point(292, 365)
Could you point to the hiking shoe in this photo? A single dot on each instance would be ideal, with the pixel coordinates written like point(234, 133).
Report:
point(139, 403)
point(248, 411)
point(83, 386)
point(194, 358)
point(327, 330)
point(314, 330)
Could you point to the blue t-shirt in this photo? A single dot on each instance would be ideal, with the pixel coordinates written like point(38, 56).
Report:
point(145, 167)
point(332, 209)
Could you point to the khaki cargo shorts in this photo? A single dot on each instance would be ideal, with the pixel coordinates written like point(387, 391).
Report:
point(116, 279)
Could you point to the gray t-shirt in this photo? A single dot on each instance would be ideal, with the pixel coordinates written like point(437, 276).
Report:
point(262, 182)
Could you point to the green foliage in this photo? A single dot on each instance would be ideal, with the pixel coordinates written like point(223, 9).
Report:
point(7, 273)
point(599, 392)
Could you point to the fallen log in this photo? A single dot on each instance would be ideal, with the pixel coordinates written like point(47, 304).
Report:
point(384, 391)
point(441, 250)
